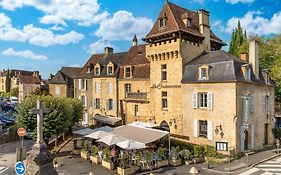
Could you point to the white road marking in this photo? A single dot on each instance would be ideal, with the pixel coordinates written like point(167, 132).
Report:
point(271, 169)
point(3, 169)
point(250, 171)
point(267, 173)
point(268, 165)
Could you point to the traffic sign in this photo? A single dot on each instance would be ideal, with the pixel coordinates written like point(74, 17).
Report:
point(20, 168)
point(21, 132)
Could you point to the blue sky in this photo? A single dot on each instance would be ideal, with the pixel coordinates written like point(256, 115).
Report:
point(45, 35)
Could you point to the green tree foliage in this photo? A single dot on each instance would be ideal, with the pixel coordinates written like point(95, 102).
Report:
point(277, 133)
point(62, 114)
point(238, 43)
point(40, 92)
point(8, 81)
point(15, 92)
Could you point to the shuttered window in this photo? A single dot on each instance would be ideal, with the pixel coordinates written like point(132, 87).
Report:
point(194, 100)
point(202, 100)
point(195, 128)
point(84, 100)
point(203, 128)
point(221, 146)
point(83, 84)
point(96, 103)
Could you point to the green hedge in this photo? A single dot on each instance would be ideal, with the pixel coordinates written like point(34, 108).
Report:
point(181, 144)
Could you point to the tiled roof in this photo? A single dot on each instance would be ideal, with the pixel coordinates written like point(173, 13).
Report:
point(224, 67)
point(174, 23)
point(14, 72)
point(25, 79)
point(65, 75)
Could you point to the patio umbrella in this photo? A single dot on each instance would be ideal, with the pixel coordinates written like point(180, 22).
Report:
point(97, 134)
point(83, 131)
point(111, 139)
point(131, 144)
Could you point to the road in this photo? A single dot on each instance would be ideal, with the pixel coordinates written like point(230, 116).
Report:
point(271, 167)
point(8, 155)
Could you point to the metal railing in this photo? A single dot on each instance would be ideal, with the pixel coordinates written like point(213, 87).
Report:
point(137, 95)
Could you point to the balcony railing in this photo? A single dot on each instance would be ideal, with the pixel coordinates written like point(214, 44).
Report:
point(137, 95)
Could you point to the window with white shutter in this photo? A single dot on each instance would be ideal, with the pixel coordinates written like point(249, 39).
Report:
point(79, 83)
point(210, 130)
point(97, 87)
point(195, 128)
point(194, 100)
point(210, 100)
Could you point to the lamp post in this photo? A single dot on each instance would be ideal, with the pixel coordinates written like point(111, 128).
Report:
point(91, 167)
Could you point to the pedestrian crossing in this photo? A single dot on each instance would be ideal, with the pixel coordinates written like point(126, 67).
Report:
point(272, 167)
point(3, 169)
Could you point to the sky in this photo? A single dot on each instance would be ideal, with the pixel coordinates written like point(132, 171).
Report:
point(45, 35)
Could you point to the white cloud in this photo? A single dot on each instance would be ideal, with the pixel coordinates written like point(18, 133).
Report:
point(56, 28)
point(84, 12)
point(23, 54)
point(75, 65)
point(35, 35)
point(98, 47)
point(254, 23)
point(122, 26)
point(237, 1)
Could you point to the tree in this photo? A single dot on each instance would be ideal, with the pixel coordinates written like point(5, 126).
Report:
point(62, 115)
point(8, 81)
point(238, 43)
point(15, 92)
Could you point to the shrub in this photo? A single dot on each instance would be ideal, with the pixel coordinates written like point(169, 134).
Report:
point(178, 143)
point(94, 150)
point(276, 133)
point(125, 161)
point(186, 154)
point(84, 146)
point(199, 151)
point(148, 156)
point(175, 152)
point(210, 151)
point(106, 154)
point(138, 156)
point(161, 154)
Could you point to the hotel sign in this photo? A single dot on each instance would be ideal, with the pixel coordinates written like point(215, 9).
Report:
point(161, 86)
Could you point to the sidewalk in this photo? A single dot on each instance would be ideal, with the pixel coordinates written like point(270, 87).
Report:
point(241, 164)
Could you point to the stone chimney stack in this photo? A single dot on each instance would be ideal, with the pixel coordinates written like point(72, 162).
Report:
point(135, 40)
point(254, 57)
point(204, 27)
point(108, 50)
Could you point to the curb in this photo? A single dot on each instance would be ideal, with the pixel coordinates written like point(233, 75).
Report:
point(264, 160)
point(62, 145)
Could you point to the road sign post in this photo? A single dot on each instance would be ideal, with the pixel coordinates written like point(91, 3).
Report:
point(21, 132)
point(20, 168)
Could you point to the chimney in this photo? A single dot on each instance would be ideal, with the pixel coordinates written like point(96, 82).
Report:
point(108, 50)
point(244, 56)
point(135, 40)
point(204, 27)
point(254, 57)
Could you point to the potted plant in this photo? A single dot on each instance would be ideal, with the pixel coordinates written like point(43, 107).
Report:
point(199, 152)
point(162, 159)
point(94, 155)
point(138, 156)
point(84, 152)
point(124, 167)
point(186, 156)
point(106, 162)
point(210, 154)
point(175, 160)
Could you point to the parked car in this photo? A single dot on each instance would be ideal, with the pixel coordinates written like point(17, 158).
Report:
point(7, 120)
point(14, 101)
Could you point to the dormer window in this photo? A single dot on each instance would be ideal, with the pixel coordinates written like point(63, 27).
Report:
point(189, 22)
point(109, 69)
point(162, 22)
point(97, 69)
point(128, 72)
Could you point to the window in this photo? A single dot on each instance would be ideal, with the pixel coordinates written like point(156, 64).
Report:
point(203, 126)
point(203, 73)
point(127, 72)
point(57, 90)
point(221, 146)
point(136, 110)
point(110, 70)
point(248, 73)
point(127, 88)
point(83, 99)
point(97, 103)
point(109, 104)
point(265, 103)
point(162, 22)
point(83, 84)
point(97, 88)
point(189, 22)
point(97, 71)
point(164, 72)
point(202, 100)
point(110, 88)
point(164, 100)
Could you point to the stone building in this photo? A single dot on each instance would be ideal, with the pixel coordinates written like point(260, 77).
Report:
point(62, 83)
point(27, 85)
point(182, 82)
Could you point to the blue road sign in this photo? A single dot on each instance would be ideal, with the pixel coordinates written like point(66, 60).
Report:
point(20, 168)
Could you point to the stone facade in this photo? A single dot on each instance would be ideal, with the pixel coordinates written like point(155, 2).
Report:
point(58, 90)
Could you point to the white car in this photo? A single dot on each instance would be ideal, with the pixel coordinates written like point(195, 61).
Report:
point(14, 101)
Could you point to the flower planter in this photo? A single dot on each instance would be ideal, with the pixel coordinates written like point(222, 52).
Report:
point(175, 162)
point(198, 160)
point(127, 171)
point(85, 155)
point(162, 163)
point(95, 159)
point(107, 165)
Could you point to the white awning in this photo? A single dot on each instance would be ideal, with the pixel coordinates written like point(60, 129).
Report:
point(107, 119)
point(84, 131)
point(142, 124)
point(111, 139)
point(140, 134)
point(97, 134)
point(131, 144)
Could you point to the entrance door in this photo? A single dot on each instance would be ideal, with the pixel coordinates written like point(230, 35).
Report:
point(246, 136)
point(266, 134)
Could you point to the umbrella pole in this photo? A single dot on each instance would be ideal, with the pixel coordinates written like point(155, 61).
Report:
point(169, 145)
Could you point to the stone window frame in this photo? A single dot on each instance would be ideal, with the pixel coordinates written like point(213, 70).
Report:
point(164, 100)
point(97, 67)
point(222, 146)
point(203, 128)
point(164, 72)
point(128, 88)
point(203, 100)
point(162, 21)
point(110, 65)
point(200, 69)
point(130, 72)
